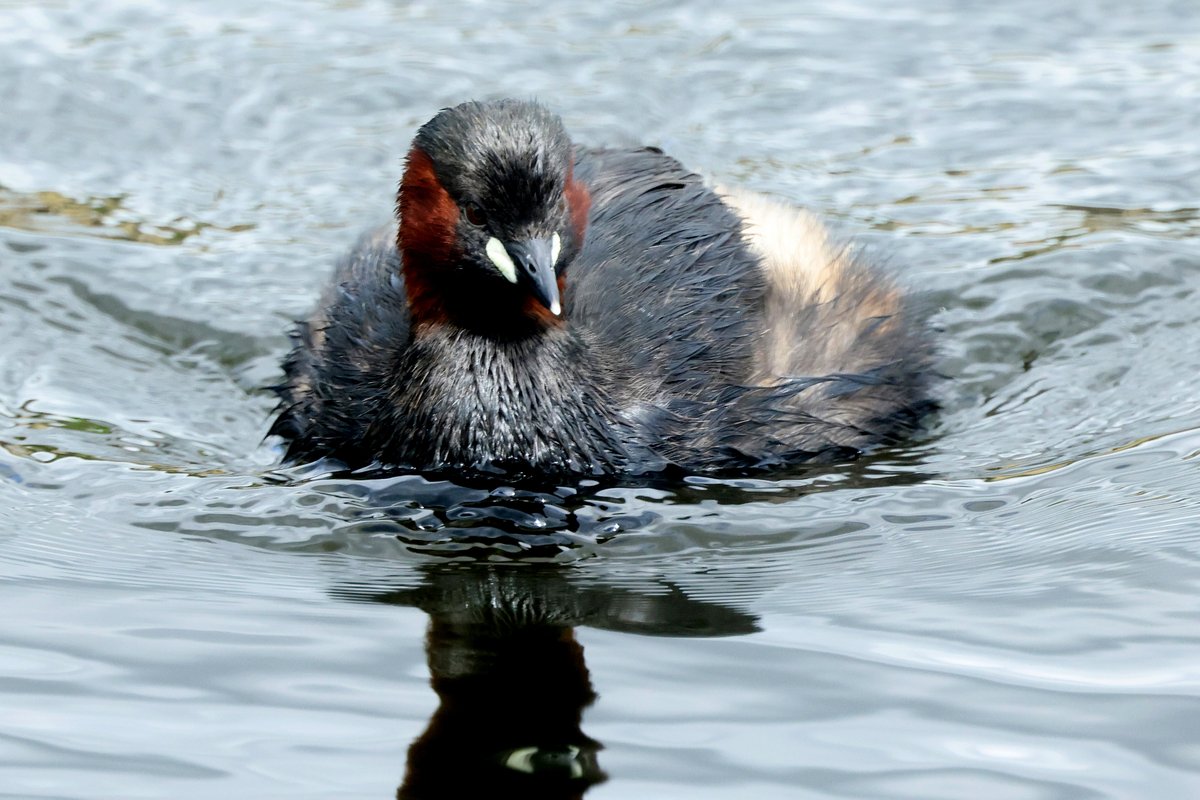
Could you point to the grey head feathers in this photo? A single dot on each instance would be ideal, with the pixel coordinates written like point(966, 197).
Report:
point(510, 158)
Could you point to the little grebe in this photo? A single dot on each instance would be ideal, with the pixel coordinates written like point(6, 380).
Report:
point(547, 310)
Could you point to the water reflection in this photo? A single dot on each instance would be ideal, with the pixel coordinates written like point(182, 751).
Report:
point(465, 519)
point(511, 679)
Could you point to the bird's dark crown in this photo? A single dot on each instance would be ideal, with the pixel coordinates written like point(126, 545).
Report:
point(510, 158)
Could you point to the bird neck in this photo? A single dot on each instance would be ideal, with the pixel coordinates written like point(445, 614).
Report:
point(472, 401)
point(438, 296)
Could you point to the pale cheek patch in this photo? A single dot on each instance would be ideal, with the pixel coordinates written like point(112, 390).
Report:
point(503, 261)
point(555, 249)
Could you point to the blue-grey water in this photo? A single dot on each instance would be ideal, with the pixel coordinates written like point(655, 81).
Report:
point(1008, 607)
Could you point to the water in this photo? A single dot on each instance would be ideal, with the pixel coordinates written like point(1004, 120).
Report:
point(1004, 608)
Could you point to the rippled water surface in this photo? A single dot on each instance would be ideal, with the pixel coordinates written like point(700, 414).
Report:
point(1005, 608)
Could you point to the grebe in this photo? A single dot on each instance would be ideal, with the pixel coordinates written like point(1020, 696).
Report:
point(545, 310)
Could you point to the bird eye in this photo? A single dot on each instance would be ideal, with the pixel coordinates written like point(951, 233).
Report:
point(475, 215)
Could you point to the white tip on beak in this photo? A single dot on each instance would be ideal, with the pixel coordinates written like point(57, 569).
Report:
point(556, 308)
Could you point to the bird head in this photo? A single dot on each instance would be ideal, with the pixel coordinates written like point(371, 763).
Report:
point(490, 214)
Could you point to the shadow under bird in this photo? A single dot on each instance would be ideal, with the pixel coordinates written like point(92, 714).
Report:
point(541, 309)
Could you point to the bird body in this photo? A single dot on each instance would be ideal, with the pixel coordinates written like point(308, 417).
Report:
point(546, 310)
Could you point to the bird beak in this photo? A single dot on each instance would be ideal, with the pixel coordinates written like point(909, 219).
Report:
point(534, 259)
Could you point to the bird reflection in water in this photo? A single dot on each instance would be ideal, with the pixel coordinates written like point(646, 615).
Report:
point(511, 679)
